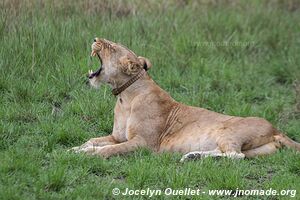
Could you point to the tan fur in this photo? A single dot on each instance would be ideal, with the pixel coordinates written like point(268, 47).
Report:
point(147, 116)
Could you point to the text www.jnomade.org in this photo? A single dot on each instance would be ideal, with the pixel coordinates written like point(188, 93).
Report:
point(197, 192)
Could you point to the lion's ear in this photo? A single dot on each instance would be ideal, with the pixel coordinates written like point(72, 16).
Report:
point(145, 63)
point(128, 66)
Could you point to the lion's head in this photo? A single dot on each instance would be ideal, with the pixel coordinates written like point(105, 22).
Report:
point(117, 63)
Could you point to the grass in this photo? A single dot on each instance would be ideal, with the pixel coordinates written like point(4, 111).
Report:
point(46, 107)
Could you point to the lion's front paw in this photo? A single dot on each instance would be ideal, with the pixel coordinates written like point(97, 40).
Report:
point(104, 152)
point(74, 149)
point(88, 150)
point(82, 148)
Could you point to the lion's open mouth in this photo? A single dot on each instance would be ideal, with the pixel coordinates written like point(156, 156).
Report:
point(96, 73)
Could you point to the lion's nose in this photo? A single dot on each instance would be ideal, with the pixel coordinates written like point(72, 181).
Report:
point(95, 39)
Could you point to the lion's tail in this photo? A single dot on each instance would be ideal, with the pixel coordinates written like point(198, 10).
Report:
point(286, 141)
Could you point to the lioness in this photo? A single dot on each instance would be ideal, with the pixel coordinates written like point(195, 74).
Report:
point(147, 116)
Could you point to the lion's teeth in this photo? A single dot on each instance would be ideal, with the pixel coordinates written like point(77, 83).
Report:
point(90, 71)
point(93, 53)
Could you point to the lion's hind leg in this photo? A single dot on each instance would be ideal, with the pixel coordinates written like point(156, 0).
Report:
point(265, 149)
point(215, 153)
